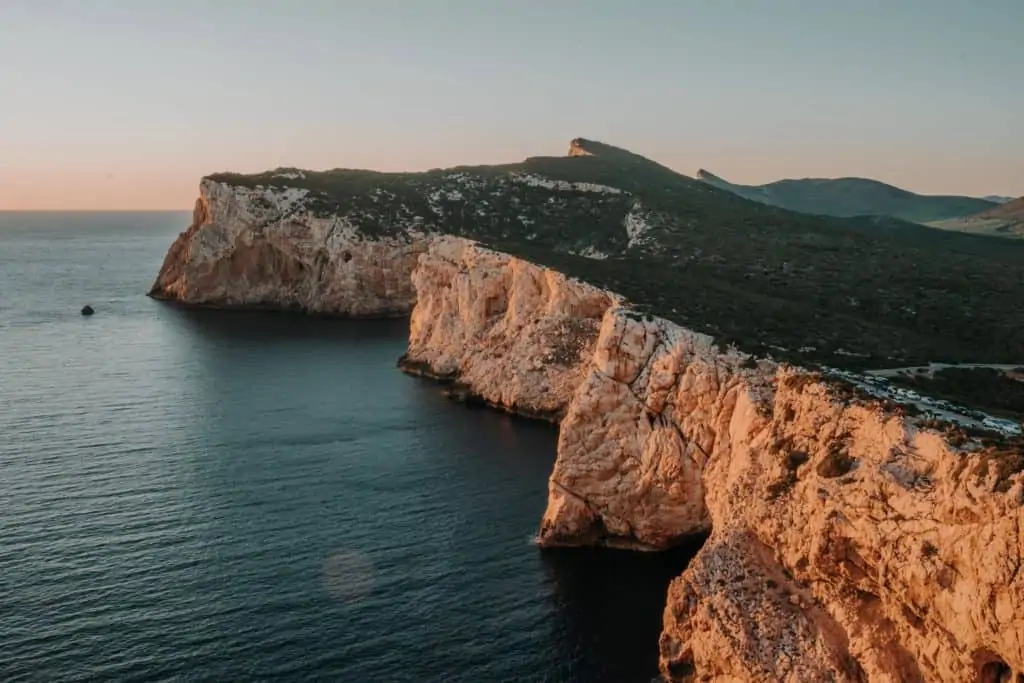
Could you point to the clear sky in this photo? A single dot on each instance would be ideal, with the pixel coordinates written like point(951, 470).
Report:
point(127, 103)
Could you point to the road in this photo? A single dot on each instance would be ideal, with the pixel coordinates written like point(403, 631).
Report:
point(932, 367)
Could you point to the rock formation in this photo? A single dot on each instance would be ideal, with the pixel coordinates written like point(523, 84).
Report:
point(848, 541)
point(578, 148)
point(849, 544)
point(256, 247)
point(514, 334)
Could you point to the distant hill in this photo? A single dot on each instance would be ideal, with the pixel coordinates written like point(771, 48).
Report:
point(1005, 220)
point(847, 197)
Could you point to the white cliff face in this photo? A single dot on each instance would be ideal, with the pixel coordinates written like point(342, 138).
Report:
point(346, 243)
point(639, 433)
point(266, 247)
point(517, 335)
point(894, 554)
point(846, 544)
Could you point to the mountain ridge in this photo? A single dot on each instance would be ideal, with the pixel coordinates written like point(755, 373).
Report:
point(860, 290)
point(852, 196)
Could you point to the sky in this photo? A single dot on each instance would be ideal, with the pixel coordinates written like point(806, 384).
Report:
point(126, 104)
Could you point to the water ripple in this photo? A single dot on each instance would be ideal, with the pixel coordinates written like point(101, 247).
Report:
point(198, 496)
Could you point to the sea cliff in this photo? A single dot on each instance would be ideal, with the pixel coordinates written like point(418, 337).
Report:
point(848, 540)
point(513, 335)
point(266, 248)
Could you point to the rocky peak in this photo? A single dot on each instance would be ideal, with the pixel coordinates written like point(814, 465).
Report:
point(578, 147)
point(708, 176)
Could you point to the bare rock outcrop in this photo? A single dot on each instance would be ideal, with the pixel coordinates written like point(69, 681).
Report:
point(516, 335)
point(265, 247)
point(901, 552)
point(847, 542)
point(578, 148)
point(638, 435)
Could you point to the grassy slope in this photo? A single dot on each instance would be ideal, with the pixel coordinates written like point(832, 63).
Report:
point(751, 274)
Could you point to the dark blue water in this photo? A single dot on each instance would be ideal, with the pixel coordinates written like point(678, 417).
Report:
point(197, 495)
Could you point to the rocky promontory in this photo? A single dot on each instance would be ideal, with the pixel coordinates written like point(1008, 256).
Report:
point(848, 539)
point(262, 247)
point(511, 333)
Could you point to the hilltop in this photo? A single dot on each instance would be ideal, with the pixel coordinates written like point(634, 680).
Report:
point(853, 197)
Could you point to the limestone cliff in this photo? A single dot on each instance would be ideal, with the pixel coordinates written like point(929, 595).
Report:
point(516, 335)
point(847, 542)
point(267, 247)
point(638, 435)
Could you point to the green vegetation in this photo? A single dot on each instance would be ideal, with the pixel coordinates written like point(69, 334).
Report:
point(891, 303)
point(847, 292)
point(853, 197)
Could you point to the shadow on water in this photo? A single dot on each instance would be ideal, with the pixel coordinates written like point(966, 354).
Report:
point(273, 326)
point(605, 605)
point(611, 604)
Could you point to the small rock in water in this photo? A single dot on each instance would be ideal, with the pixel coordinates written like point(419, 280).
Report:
point(87, 310)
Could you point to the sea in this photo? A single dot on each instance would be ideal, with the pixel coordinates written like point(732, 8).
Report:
point(196, 495)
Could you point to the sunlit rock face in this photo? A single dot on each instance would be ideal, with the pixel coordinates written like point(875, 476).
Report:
point(849, 545)
point(345, 242)
point(846, 542)
point(267, 248)
point(515, 335)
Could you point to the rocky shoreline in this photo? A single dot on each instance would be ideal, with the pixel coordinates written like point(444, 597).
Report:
point(848, 541)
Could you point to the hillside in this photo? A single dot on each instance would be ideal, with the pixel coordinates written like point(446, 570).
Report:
point(849, 292)
point(1006, 220)
point(853, 197)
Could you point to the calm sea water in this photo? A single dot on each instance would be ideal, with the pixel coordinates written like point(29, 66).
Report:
point(196, 495)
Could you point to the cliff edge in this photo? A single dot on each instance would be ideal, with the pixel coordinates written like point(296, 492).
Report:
point(848, 541)
point(266, 246)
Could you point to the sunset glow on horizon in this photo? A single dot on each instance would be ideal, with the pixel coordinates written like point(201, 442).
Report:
point(116, 105)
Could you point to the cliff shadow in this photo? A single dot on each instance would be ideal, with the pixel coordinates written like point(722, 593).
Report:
point(257, 325)
point(610, 603)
